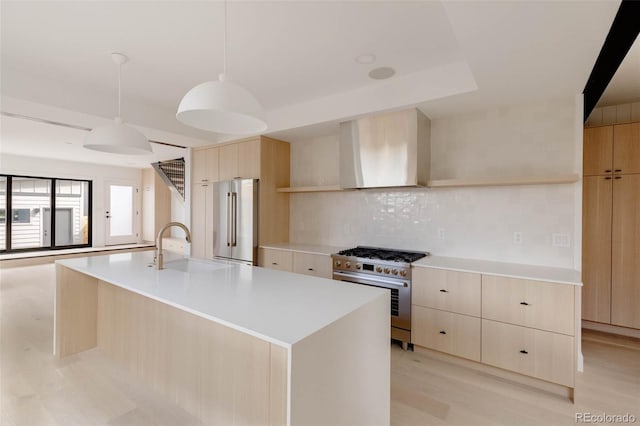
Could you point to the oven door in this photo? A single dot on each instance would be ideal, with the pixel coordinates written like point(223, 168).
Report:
point(400, 294)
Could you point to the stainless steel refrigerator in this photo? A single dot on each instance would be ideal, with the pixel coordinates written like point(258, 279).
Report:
point(235, 221)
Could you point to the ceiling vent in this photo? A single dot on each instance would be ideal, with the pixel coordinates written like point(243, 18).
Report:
point(172, 173)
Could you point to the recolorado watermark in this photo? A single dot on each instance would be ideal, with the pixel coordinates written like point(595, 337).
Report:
point(605, 418)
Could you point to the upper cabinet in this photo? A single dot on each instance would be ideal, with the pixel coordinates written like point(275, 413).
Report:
point(241, 159)
point(626, 148)
point(205, 165)
point(612, 149)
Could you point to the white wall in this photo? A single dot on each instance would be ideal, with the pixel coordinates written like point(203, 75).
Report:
point(521, 140)
point(31, 166)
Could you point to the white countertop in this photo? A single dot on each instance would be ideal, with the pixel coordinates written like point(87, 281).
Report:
point(280, 307)
point(511, 270)
point(304, 248)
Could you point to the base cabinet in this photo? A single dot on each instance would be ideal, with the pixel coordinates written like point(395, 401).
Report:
point(524, 326)
point(541, 354)
point(316, 265)
point(281, 260)
point(443, 331)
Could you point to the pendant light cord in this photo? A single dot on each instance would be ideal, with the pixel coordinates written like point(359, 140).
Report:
point(224, 69)
point(119, 90)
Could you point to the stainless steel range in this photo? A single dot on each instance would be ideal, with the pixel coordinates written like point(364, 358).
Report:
point(384, 268)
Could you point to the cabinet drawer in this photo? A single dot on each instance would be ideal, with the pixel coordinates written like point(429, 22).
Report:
point(276, 259)
point(446, 290)
point(541, 354)
point(312, 264)
point(446, 332)
point(536, 304)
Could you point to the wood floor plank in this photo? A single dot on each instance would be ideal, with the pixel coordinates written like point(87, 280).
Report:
point(89, 388)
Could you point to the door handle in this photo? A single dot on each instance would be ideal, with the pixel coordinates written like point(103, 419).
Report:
point(228, 219)
point(234, 199)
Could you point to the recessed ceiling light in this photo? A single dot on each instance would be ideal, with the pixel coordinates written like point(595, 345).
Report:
point(381, 73)
point(367, 58)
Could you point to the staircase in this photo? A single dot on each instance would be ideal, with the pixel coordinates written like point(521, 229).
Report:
point(172, 173)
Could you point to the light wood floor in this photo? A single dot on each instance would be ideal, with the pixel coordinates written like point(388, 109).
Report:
point(87, 389)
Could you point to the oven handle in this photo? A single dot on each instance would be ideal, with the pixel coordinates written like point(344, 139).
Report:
point(369, 281)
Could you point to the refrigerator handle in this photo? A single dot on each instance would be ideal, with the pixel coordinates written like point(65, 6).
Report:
point(229, 219)
point(234, 199)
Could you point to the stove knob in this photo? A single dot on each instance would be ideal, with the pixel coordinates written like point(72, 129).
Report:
point(403, 273)
point(378, 269)
point(394, 271)
point(358, 266)
point(386, 270)
point(347, 265)
point(338, 263)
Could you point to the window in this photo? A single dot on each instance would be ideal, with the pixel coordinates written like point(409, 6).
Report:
point(31, 226)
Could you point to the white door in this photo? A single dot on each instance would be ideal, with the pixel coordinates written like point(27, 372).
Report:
point(120, 214)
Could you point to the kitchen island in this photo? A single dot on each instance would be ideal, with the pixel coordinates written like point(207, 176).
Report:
point(233, 344)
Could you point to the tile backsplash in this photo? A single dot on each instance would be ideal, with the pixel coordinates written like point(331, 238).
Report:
point(459, 222)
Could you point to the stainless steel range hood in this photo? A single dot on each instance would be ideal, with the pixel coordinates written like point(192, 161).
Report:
point(385, 150)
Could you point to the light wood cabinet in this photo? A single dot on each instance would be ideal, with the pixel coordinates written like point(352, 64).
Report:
point(536, 304)
point(541, 354)
point(240, 160)
point(202, 220)
point(625, 254)
point(317, 265)
point(447, 332)
point(521, 325)
point(205, 165)
point(260, 158)
point(626, 148)
point(228, 162)
point(596, 248)
point(452, 291)
point(611, 225)
point(598, 151)
point(281, 260)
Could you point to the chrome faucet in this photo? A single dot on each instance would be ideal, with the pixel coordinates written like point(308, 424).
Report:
point(158, 257)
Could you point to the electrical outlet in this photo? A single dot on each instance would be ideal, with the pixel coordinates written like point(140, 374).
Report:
point(441, 234)
point(517, 238)
point(560, 240)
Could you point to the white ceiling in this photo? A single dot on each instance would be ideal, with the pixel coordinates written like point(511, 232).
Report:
point(624, 87)
point(297, 57)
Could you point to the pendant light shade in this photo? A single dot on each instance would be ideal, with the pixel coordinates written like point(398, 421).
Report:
point(118, 138)
point(222, 106)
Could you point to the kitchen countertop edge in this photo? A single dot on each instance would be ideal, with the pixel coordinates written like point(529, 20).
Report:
point(503, 269)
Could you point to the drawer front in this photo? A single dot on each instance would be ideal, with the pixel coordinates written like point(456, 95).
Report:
point(446, 290)
point(317, 265)
point(446, 332)
point(535, 304)
point(276, 259)
point(541, 354)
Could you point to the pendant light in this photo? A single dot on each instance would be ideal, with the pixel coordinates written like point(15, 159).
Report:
point(222, 106)
point(118, 138)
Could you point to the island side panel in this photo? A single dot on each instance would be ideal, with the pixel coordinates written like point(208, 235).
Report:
point(75, 319)
point(340, 375)
point(218, 374)
point(278, 382)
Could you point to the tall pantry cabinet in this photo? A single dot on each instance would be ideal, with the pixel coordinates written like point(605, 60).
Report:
point(611, 225)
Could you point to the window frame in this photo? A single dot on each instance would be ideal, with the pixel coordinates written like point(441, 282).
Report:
point(8, 207)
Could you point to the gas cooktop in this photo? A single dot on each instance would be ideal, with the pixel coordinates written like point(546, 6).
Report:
point(383, 254)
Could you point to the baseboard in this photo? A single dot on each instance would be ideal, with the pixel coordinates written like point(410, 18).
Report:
point(612, 329)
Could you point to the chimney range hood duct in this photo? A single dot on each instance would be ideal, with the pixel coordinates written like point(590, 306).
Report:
point(387, 150)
